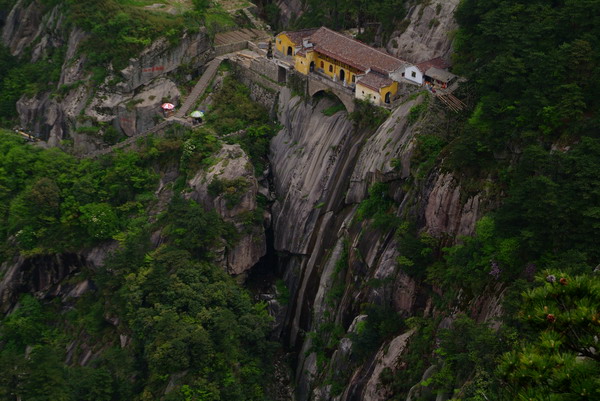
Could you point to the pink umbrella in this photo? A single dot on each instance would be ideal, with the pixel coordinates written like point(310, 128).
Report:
point(168, 106)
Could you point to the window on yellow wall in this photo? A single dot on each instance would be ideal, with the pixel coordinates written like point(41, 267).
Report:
point(322, 65)
point(330, 68)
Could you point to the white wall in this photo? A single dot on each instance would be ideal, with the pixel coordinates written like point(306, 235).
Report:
point(408, 74)
point(398, 75)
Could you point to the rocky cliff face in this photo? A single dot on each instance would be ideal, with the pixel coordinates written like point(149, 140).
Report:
point(235, 173)
point(322, 168)
point(289, 10)
point(49, 276)
point(127, 100)
point(428, 31)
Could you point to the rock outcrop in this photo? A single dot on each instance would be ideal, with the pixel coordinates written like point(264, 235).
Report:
point(235, 201)
point(127, 100)
point(387, 357)
point(289, 10)
point(49, 276)
point(428, 32)
point(445, 213)
point(22, 26)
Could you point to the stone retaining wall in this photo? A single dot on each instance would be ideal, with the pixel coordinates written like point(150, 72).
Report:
point(230, 48)
point(262, 89)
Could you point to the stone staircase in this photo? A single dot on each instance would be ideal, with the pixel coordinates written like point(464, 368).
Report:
point(200, 87)
point(178, 117)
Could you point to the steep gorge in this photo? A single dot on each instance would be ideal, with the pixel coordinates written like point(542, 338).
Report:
point(321, 170)
point(322, 167)
point(348, 215)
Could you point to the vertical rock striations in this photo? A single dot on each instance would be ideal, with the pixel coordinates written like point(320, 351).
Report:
point(322, 168)
point(428, 31)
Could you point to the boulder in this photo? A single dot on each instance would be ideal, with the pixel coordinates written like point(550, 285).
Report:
point(235, 169)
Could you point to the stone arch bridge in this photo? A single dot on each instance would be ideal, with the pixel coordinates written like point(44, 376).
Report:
point(317, 84)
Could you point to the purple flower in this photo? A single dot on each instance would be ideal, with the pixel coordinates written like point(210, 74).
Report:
point(496, 271)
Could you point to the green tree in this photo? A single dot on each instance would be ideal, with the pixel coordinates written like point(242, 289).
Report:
point(45, 379)
point(559, 360)
point(100, 220)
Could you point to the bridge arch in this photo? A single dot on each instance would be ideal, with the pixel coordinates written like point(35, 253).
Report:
point(314, 87)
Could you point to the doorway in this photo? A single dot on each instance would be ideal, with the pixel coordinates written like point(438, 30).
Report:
point(281, 75)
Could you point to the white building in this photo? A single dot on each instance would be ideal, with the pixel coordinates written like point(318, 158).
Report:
point(414, 74)
point(417, 73)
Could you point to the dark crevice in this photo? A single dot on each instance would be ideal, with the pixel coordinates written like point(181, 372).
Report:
point(262, 276)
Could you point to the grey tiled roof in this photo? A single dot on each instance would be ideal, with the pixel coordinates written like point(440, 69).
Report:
point(350, 51)
point(437, 62)
point(297, 36)
point(374, 81)
point(440, 75)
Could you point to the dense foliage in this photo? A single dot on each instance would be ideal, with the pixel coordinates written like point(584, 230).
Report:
point(531, 145)
point(534, 67)
point(559, 357)
point(245, 122)
point(183, 313)
point(383, 14)
point(156, 318)
point(52, 202)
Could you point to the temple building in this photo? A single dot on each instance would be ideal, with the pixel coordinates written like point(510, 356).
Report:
point(434, 71)
point(372, 74)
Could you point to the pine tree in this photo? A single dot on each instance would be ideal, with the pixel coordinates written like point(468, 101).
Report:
point(560, 359)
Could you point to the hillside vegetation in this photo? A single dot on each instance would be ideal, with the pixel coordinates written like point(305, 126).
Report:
point(117, 31)
point(529, 145)
point(532, 144)
point(185, 318)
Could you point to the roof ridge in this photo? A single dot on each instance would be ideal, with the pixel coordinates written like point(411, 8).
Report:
point(302, 30)
point(359, 42)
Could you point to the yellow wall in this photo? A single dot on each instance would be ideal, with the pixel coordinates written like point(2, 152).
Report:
point(303, 62)
point(393, 89)
point(282, 42)
point(364, 93)
point(336, 67)
point(376, 97)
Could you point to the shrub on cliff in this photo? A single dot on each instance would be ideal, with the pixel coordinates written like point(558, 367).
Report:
point(367, 116)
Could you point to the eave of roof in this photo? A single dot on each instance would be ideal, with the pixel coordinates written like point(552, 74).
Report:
point(297, 36)
point(353, 52)
point(374, 81)
point(437, 62)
